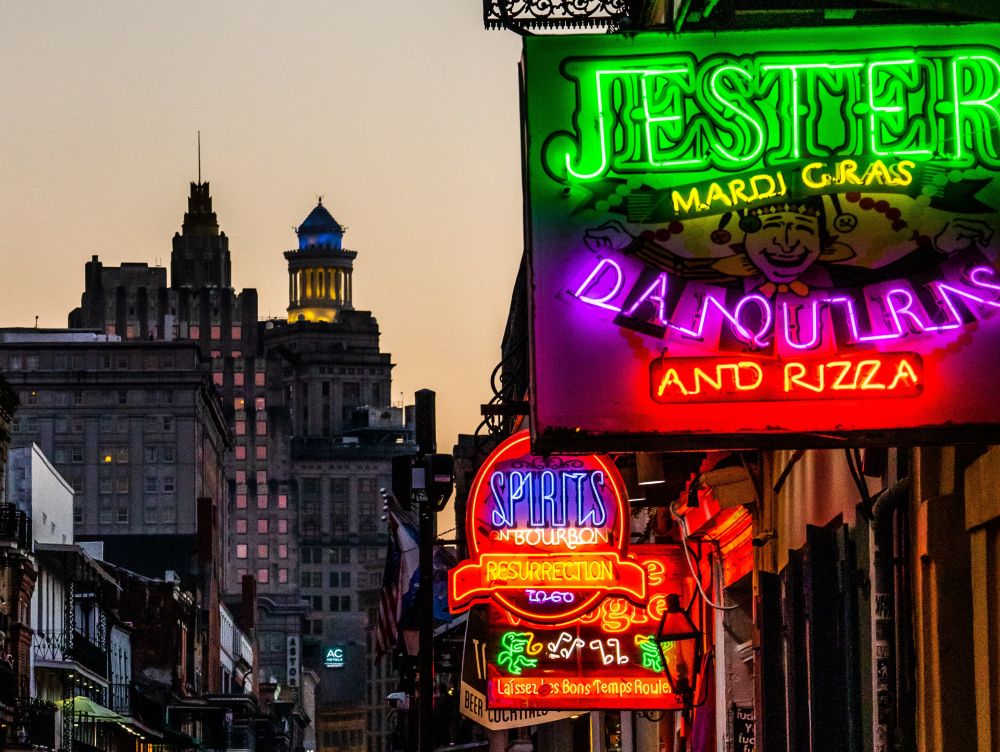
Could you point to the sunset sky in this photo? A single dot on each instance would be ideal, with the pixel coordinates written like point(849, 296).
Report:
point(402, 115)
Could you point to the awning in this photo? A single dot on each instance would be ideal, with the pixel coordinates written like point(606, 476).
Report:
point(84, 706)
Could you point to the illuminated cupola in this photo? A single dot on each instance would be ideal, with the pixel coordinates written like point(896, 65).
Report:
point(319, 270)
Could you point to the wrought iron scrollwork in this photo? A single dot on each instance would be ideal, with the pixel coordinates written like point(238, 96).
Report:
point(553, 14)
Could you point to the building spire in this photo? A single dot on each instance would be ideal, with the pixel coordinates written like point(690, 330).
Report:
point(199, 157)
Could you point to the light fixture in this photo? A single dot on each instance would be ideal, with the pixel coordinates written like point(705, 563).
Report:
point(675, 626)
point(649, 466)
point(636, 495)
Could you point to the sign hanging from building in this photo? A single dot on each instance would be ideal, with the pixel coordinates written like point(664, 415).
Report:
point(757, 237)
point(572, 612)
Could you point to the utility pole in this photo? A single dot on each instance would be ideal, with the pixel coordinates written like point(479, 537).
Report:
point(426, 430)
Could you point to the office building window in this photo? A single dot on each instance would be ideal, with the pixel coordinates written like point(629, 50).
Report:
point(241, 501)
point(241, 452)
point(262, 576)
point(262, 551)
point(262, 527)
point(241, 550)
point(241, 526)
point(123, 514)
point(168, 483)
point(282, 575)
point(121, 485)
point(283, 526)
point(282, 551)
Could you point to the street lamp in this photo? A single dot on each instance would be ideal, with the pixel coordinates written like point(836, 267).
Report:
point(676, 626)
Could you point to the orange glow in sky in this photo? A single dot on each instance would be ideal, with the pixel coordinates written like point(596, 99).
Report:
point(402, 115)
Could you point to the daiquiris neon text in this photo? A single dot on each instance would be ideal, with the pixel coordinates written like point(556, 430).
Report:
point(676, 113)
point(881, 313)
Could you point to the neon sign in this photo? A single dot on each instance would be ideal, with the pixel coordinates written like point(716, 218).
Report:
point(671, 112)
point(546, 536)
point(608, 658)
point(810, 220)
point(682, 380)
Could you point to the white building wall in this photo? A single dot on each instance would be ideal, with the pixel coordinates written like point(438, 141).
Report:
point(38, 489)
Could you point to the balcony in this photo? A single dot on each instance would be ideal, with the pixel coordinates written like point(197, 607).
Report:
point(56, 646)
point(34, 724)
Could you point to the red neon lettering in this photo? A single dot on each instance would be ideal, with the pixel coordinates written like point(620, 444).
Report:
point(691, 380)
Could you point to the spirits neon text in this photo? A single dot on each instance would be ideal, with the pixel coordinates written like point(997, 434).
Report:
point(550, 498)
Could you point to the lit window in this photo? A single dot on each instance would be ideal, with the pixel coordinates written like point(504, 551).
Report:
point(237, 332)
point(241, 501)
point(241, 527)
point(241, 476)
point(258, 378)
point(262, 526)
point(238, 378)
point(216, 354)
point(262, 551)
point(282, 551)
point(262, 476)
point(216, 332)
point(241, 550)
point(241, 452)
point(262, 452)
point(259, 404)
point(262, 502)
point(32, 397)
point(261, 428)
point(241, 428)
point(282, 526)
point(217, 379)
point(262, 576)
point(194, 332)
point(282, 501)
point(239, 403)
point(282, 575)
point(107, 457)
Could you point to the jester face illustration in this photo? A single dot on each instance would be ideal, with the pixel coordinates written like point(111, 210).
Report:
point(787, 243)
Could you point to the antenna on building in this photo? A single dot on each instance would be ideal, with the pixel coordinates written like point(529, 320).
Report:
point(36, 322)
point(199, 157)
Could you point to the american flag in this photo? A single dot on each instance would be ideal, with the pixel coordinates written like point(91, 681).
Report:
point(387, 627)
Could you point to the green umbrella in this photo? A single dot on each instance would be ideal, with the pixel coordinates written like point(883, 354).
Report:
point(84, 706)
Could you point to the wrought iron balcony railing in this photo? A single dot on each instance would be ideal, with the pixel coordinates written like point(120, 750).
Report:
point(554, 14)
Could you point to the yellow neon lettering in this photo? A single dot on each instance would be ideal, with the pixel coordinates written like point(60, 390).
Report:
point(797, 379)
point(753, 367)
point(807, 177)
point(693, 202)
point(671, 378)
point(845, 368)
point(873, 366)
point(904, 371)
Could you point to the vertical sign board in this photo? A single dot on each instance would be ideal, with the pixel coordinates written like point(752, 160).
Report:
point(572, 611)
point(764, 237)
point(743, 729)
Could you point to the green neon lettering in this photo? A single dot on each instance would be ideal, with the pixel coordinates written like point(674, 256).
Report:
point(971, 92)
point(886, 117)
point(742, 115)
point(650, 114)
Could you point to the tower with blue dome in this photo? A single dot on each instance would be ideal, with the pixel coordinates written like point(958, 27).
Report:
point(319, 270)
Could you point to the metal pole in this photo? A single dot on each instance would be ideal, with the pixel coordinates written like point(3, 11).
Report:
point(426, 438)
